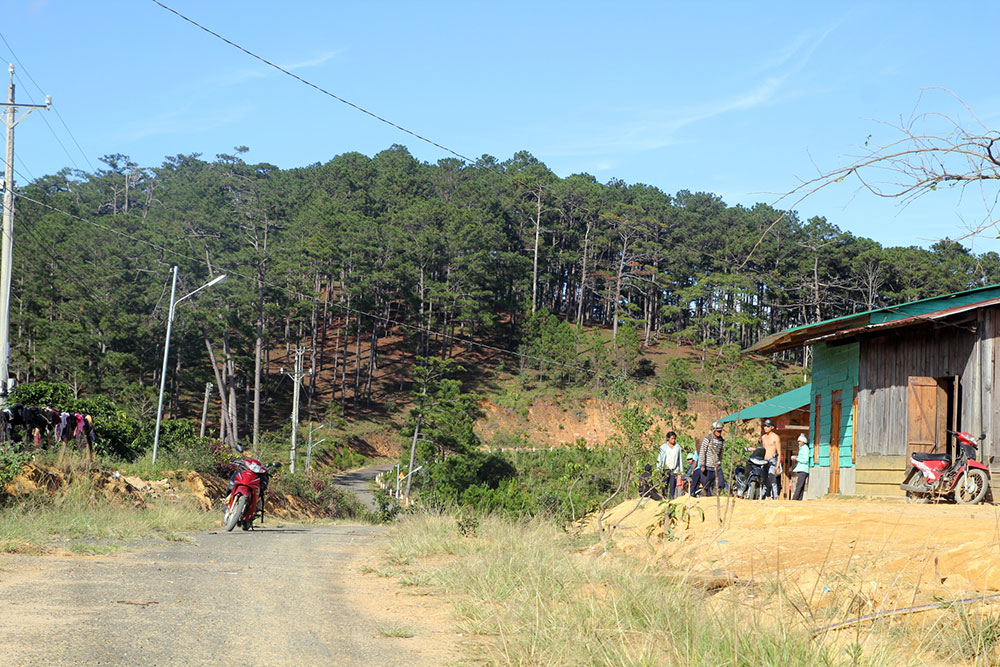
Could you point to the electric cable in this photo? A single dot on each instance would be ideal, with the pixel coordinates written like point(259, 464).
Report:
point(53, 107)
point(313, 85)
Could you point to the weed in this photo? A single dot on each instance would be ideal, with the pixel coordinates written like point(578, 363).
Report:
point(397, 631)
point(671, 516)
point(467, 524)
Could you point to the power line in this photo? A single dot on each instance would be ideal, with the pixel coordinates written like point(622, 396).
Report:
point(40, 90)
point(388, 320)
point(313, 85)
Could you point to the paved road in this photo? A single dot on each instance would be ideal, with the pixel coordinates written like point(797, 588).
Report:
point(358, 482)
point(276, 596)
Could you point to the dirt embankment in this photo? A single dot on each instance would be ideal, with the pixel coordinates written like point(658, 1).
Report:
point(843, 555)
point(208, 491)
point(557, 421)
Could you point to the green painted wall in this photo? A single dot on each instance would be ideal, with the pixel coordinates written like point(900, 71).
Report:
point(834, 367)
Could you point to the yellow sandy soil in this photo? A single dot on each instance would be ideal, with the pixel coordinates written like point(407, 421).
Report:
point(868, 554)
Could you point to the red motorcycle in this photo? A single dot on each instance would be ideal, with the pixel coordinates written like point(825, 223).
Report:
point(937, 477)
point(247, 488)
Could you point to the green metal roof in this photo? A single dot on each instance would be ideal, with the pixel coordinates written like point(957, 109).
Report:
point(901, 315)
point(772, 407)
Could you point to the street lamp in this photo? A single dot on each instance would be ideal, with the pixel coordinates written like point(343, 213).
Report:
point(166, 347)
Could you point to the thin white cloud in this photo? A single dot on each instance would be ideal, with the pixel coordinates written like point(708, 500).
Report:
point(242, 76)
point(658, 128)
point(185, 121)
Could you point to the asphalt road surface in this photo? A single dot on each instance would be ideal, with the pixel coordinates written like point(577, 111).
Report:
point(273, 596)
point(359, 482)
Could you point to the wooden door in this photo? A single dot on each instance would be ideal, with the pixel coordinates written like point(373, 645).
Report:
point(926, 416)
point(835, 412)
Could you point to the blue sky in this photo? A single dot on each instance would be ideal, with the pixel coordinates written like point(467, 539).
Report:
point(740, 99)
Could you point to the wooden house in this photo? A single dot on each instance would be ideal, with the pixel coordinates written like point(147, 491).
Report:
point(891, 381)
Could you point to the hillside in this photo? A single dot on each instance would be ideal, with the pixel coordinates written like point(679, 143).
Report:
point(518, 410)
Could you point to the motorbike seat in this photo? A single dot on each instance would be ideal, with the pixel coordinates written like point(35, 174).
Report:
point(924, 456)
point(758, 462)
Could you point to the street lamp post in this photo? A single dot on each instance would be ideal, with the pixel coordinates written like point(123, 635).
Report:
point(166, 346)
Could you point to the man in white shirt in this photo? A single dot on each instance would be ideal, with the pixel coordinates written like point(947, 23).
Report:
point(669, 463)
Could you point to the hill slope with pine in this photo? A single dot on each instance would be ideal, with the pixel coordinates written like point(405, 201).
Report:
point(540, 289)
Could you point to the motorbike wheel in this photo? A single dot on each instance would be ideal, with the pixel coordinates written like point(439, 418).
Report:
point(234, 512)
point(753, 490)
point(914, 477)
point(978, 483)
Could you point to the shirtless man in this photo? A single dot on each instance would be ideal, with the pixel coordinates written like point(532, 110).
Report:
point(772, 452)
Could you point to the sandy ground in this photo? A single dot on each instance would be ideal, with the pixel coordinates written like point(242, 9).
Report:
point(843, 556)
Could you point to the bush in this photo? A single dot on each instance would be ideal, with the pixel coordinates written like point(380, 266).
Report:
point(50, 394)
point(11, 463)
point(560, 483)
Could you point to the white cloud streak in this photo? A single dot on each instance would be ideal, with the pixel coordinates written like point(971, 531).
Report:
point(657, 128)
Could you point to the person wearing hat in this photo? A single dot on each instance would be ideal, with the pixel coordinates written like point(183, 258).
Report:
point(772, 452)
point(801, 469)
point(710, 460)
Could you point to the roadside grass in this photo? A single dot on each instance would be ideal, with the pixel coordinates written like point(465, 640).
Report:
point(77, 517)
point(529, 593)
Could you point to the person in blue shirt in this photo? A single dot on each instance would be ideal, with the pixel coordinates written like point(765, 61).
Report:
point(801, 459)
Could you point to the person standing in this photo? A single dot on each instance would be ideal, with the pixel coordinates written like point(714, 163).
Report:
point(801, 469)
point(772, 452)
point(710, 459)
point(668, 463)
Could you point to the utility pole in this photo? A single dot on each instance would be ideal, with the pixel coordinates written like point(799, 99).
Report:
point(204, 408)
point(10, 119)
point(296, 376)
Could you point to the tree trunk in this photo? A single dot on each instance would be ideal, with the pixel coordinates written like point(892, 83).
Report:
point(534, 270)
point(220, 384)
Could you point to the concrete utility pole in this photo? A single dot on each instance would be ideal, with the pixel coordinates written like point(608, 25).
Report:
point(9, 120)
point(297, 380)
point(204, 408)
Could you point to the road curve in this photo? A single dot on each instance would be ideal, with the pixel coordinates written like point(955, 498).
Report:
point(358, 482)
point(274, 596)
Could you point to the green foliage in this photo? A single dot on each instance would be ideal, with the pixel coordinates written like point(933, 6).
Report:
point(386, 507)
point(467, 524)
point(736, 380)
point(443, 416)
point(447, 250)
point(50, 394)
point(563, 483)
point(12, 461)
point(551, 345)
point(117, 432)
point(181, 447)
point(676, 383)
point(671, 515)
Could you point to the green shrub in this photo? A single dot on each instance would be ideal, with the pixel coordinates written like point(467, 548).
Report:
point(50, 394)
point(561, 483)
point(11, 463)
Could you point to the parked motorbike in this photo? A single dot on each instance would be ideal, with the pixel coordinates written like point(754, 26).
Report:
point(750, 478)
point(246, 497)
point(937, 477)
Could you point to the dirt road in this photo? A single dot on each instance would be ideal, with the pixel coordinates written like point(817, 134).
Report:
point(290, 595)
